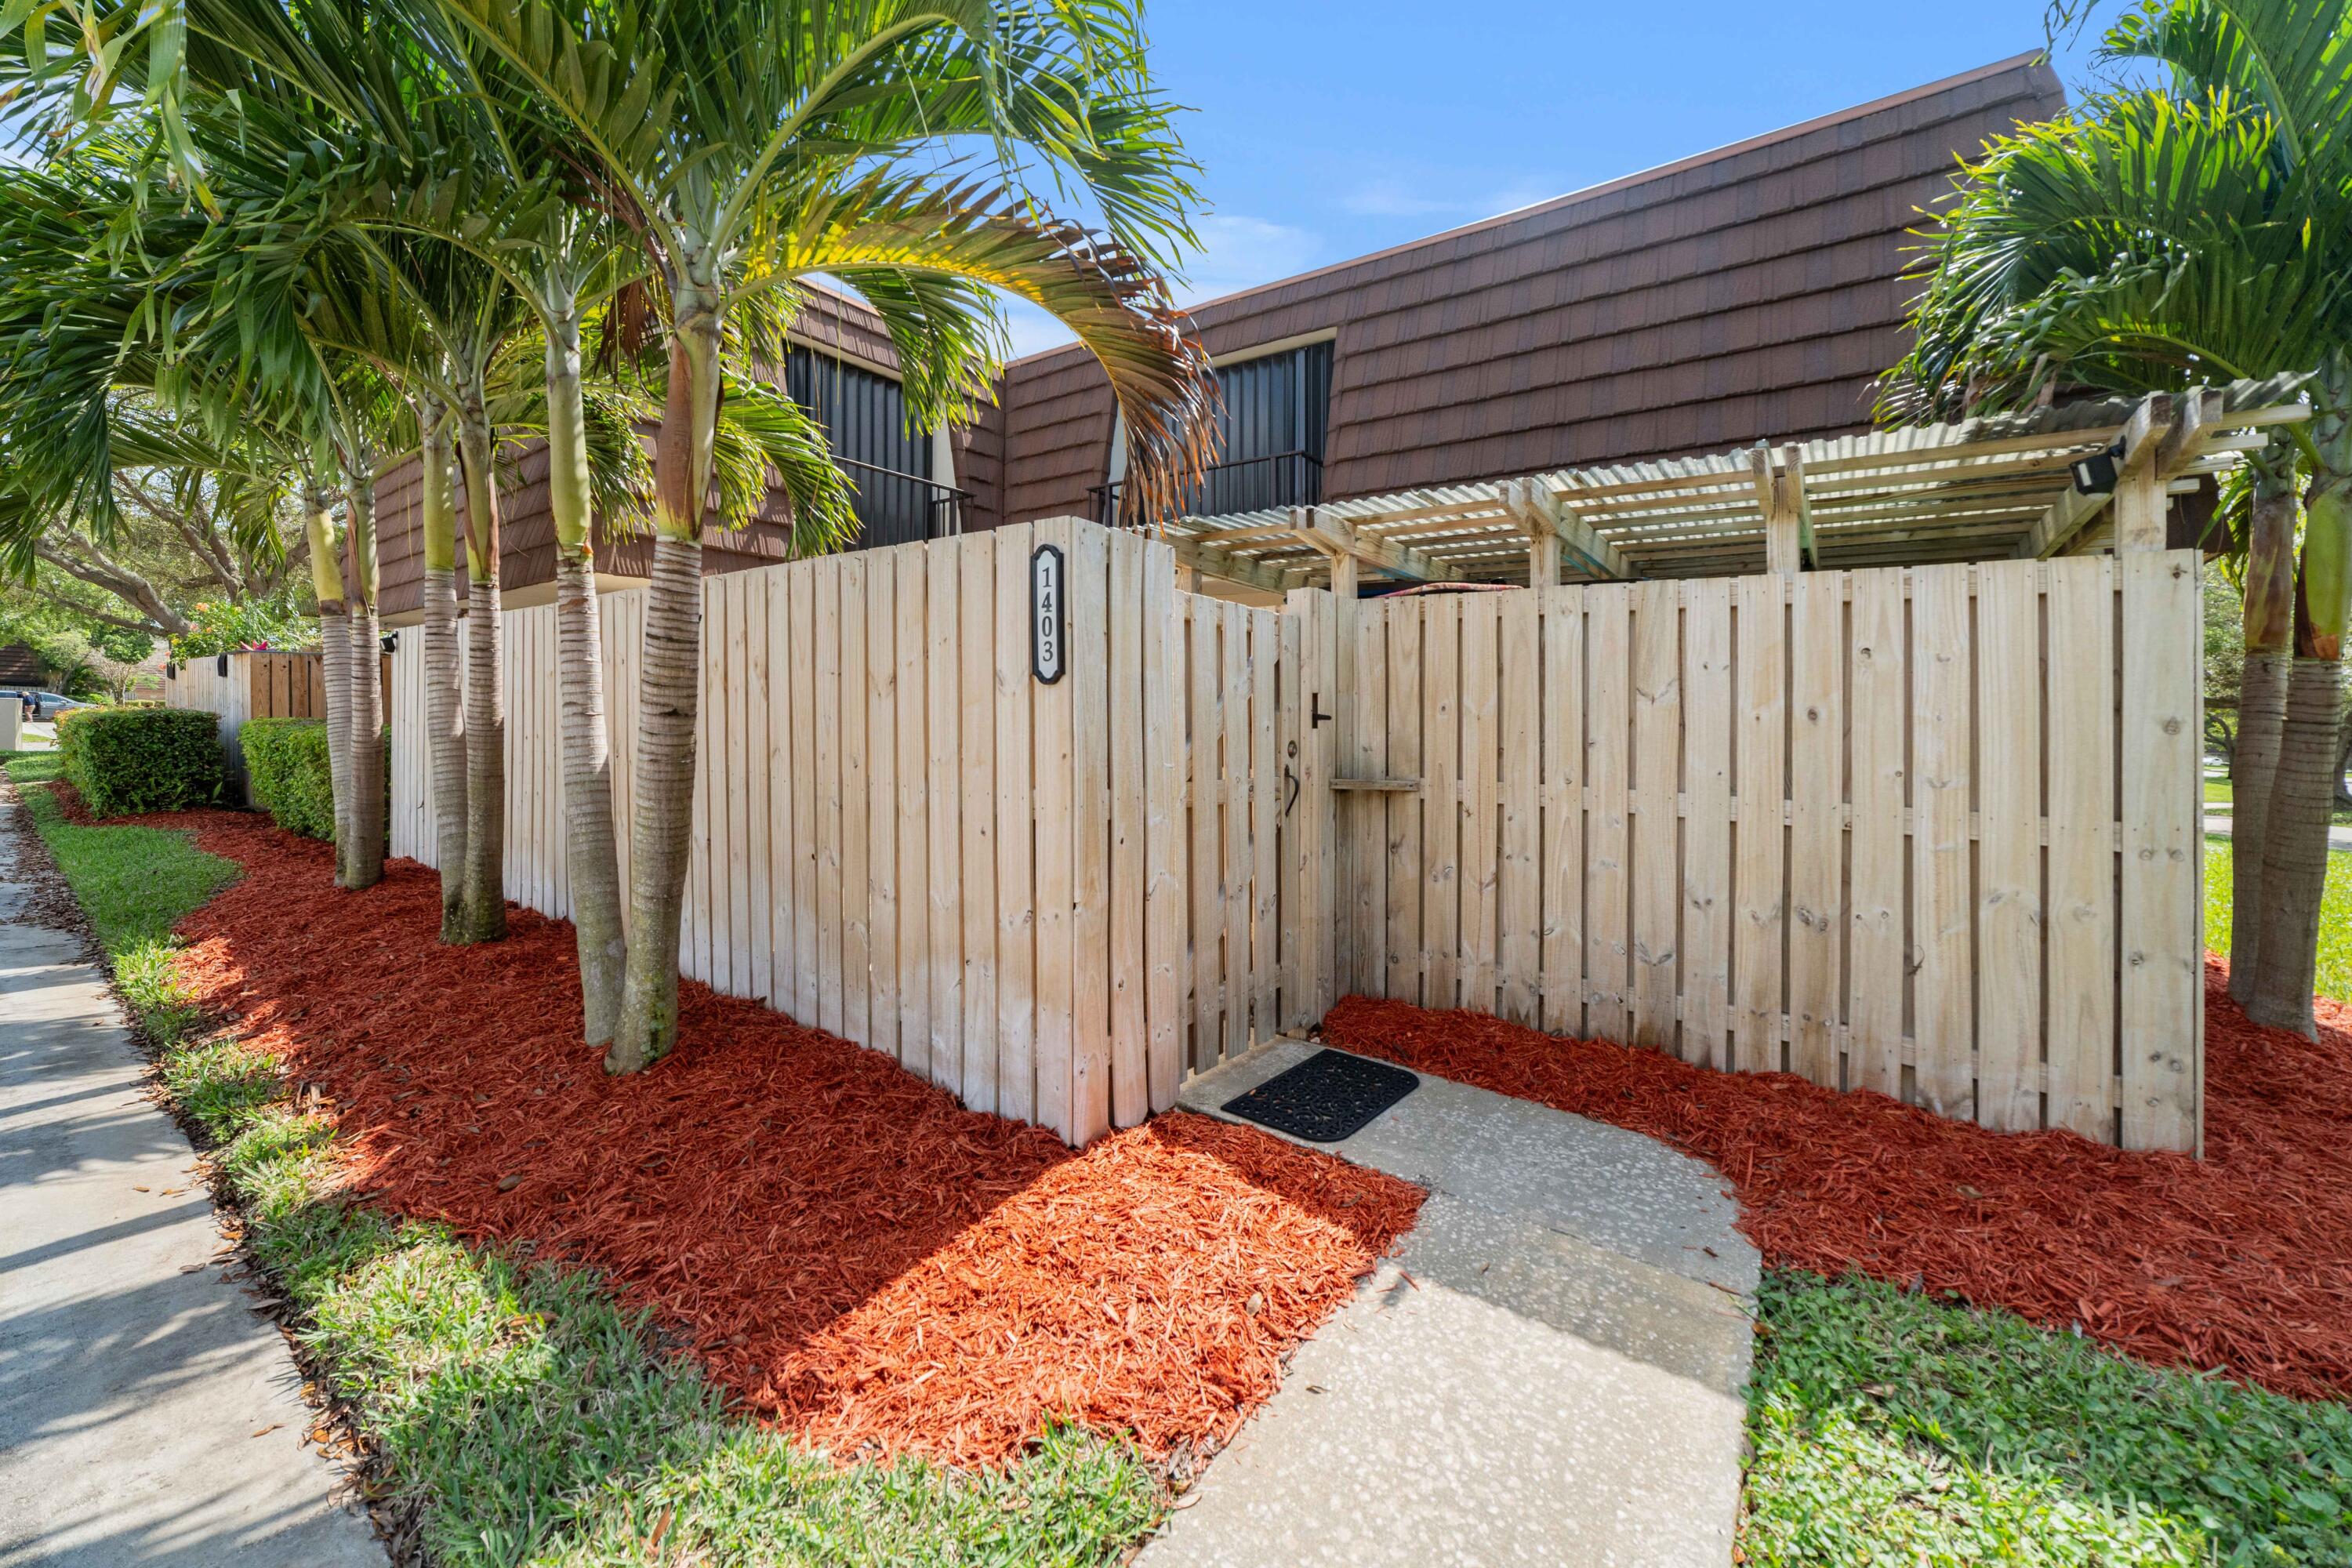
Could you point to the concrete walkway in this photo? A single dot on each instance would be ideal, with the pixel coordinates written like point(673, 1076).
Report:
point(2219, 821)
point(1550, 1371)
point(148, 1415)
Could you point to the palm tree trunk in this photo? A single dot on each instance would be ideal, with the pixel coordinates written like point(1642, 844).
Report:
point(2295, 855)
point(593, 855)
point(334, 660)
point(590, 844)
point(662, 805)
point(2294, 852)
point(2262, 702)
point(335, 664)
point(363, 857)
point(482, 907)
point(445, 730)
point(661, 818)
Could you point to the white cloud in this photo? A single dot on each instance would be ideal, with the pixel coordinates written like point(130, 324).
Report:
point(1032, 331)
point(1239, 253)
point(1235, 253)
point(1392, 197)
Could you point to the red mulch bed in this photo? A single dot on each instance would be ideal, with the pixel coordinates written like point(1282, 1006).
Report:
point(845, 1250)
point(2241, 1262)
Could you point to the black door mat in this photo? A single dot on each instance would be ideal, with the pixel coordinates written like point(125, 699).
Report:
point(1330, 1096)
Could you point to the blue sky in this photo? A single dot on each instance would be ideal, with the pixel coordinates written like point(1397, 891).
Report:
point(1326, 131)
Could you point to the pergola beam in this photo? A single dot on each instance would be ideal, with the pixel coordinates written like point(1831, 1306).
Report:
point(2149, 424)
point(1343, 541)
point(1539, 514)
point(1212, 562)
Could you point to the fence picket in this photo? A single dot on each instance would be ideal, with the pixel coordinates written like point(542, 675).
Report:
point(1129, 1088)
point(1400, 962)
point(1706, 941)
point(1481, 783)
point(1847, 822)
point(856, 814)
point(882, 821)
point(1816, 922)
point(2082, 872)
point(1875, 957)
point(1016, 929)
point(914, 814)
point(2008, 844)
point(1942, 763)
point(1563, 943)
point(1051, 715)
point(2163, 887)
point(1607, 868)
point(1759, 847)
point(1653, 831)
point(1441, 817)
point(976, 763)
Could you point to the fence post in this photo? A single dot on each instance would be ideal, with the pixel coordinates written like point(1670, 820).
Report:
point(1312, 926)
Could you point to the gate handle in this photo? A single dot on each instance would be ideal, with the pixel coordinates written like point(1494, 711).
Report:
point(1294, 789)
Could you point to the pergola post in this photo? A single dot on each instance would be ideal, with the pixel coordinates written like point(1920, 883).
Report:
point(1554, 533)
point(1784, 554)
point(2139, 500)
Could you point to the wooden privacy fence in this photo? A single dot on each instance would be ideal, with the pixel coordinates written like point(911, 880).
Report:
point(252, 685)
point(1052, 899)
point(1931, 830)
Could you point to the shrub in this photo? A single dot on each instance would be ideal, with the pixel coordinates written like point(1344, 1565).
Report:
point(129, 760)
point(286, 763)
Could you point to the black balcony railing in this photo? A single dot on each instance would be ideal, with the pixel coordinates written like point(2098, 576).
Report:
point(901, 509)
point(1253, 484)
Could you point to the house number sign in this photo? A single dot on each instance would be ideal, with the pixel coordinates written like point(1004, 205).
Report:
point(1049, 617)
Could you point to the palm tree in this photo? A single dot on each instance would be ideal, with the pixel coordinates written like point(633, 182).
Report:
point(752, 145)
point(2198, 231)
point(748, 146)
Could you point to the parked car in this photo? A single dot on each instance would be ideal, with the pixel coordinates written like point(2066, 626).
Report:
point(48, 705)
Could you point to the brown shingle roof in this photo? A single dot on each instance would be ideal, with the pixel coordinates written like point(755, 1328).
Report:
point(1750, 292)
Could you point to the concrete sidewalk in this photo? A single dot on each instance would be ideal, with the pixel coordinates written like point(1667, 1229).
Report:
point(1550, 1371)
point(148, 1415)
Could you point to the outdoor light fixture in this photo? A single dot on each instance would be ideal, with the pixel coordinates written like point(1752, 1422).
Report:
point(392, 642)
point(2095, 475)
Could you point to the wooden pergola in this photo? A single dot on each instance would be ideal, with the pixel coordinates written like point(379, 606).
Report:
point(1983, 489)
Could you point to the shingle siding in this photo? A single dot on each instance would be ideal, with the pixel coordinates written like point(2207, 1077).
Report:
point(1753, 293)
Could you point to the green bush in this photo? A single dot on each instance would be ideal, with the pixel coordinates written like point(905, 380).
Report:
point(129, 760)
point(286, 763)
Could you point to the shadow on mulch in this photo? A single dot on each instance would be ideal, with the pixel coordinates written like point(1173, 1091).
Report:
point(2242, 1261)
point(845, 1249)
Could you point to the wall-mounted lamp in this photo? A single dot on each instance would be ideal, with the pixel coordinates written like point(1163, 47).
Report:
point(392, 642)
point(2095, 475)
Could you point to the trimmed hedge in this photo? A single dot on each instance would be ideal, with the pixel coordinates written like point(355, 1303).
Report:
point(285, 764)
point(126, 761)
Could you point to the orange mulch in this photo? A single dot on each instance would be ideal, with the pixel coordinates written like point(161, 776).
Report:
point(843, 1248)
point(2241, 1262)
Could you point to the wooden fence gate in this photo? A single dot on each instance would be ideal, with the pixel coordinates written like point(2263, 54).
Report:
point(237, 687)
point(1930, 830)
point(1052, 899)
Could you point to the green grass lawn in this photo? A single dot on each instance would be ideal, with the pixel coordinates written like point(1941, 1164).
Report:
point(2334, 976)
point(2219, 790)
point(529, 1420)
point(134, 884)
point(1888, 1429)
point(523, 1416)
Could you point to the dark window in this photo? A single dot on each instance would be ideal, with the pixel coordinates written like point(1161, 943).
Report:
point(864, 417)
point(1277, 412)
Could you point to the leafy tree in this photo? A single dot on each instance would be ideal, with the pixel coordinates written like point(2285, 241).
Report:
point(2195, 231)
